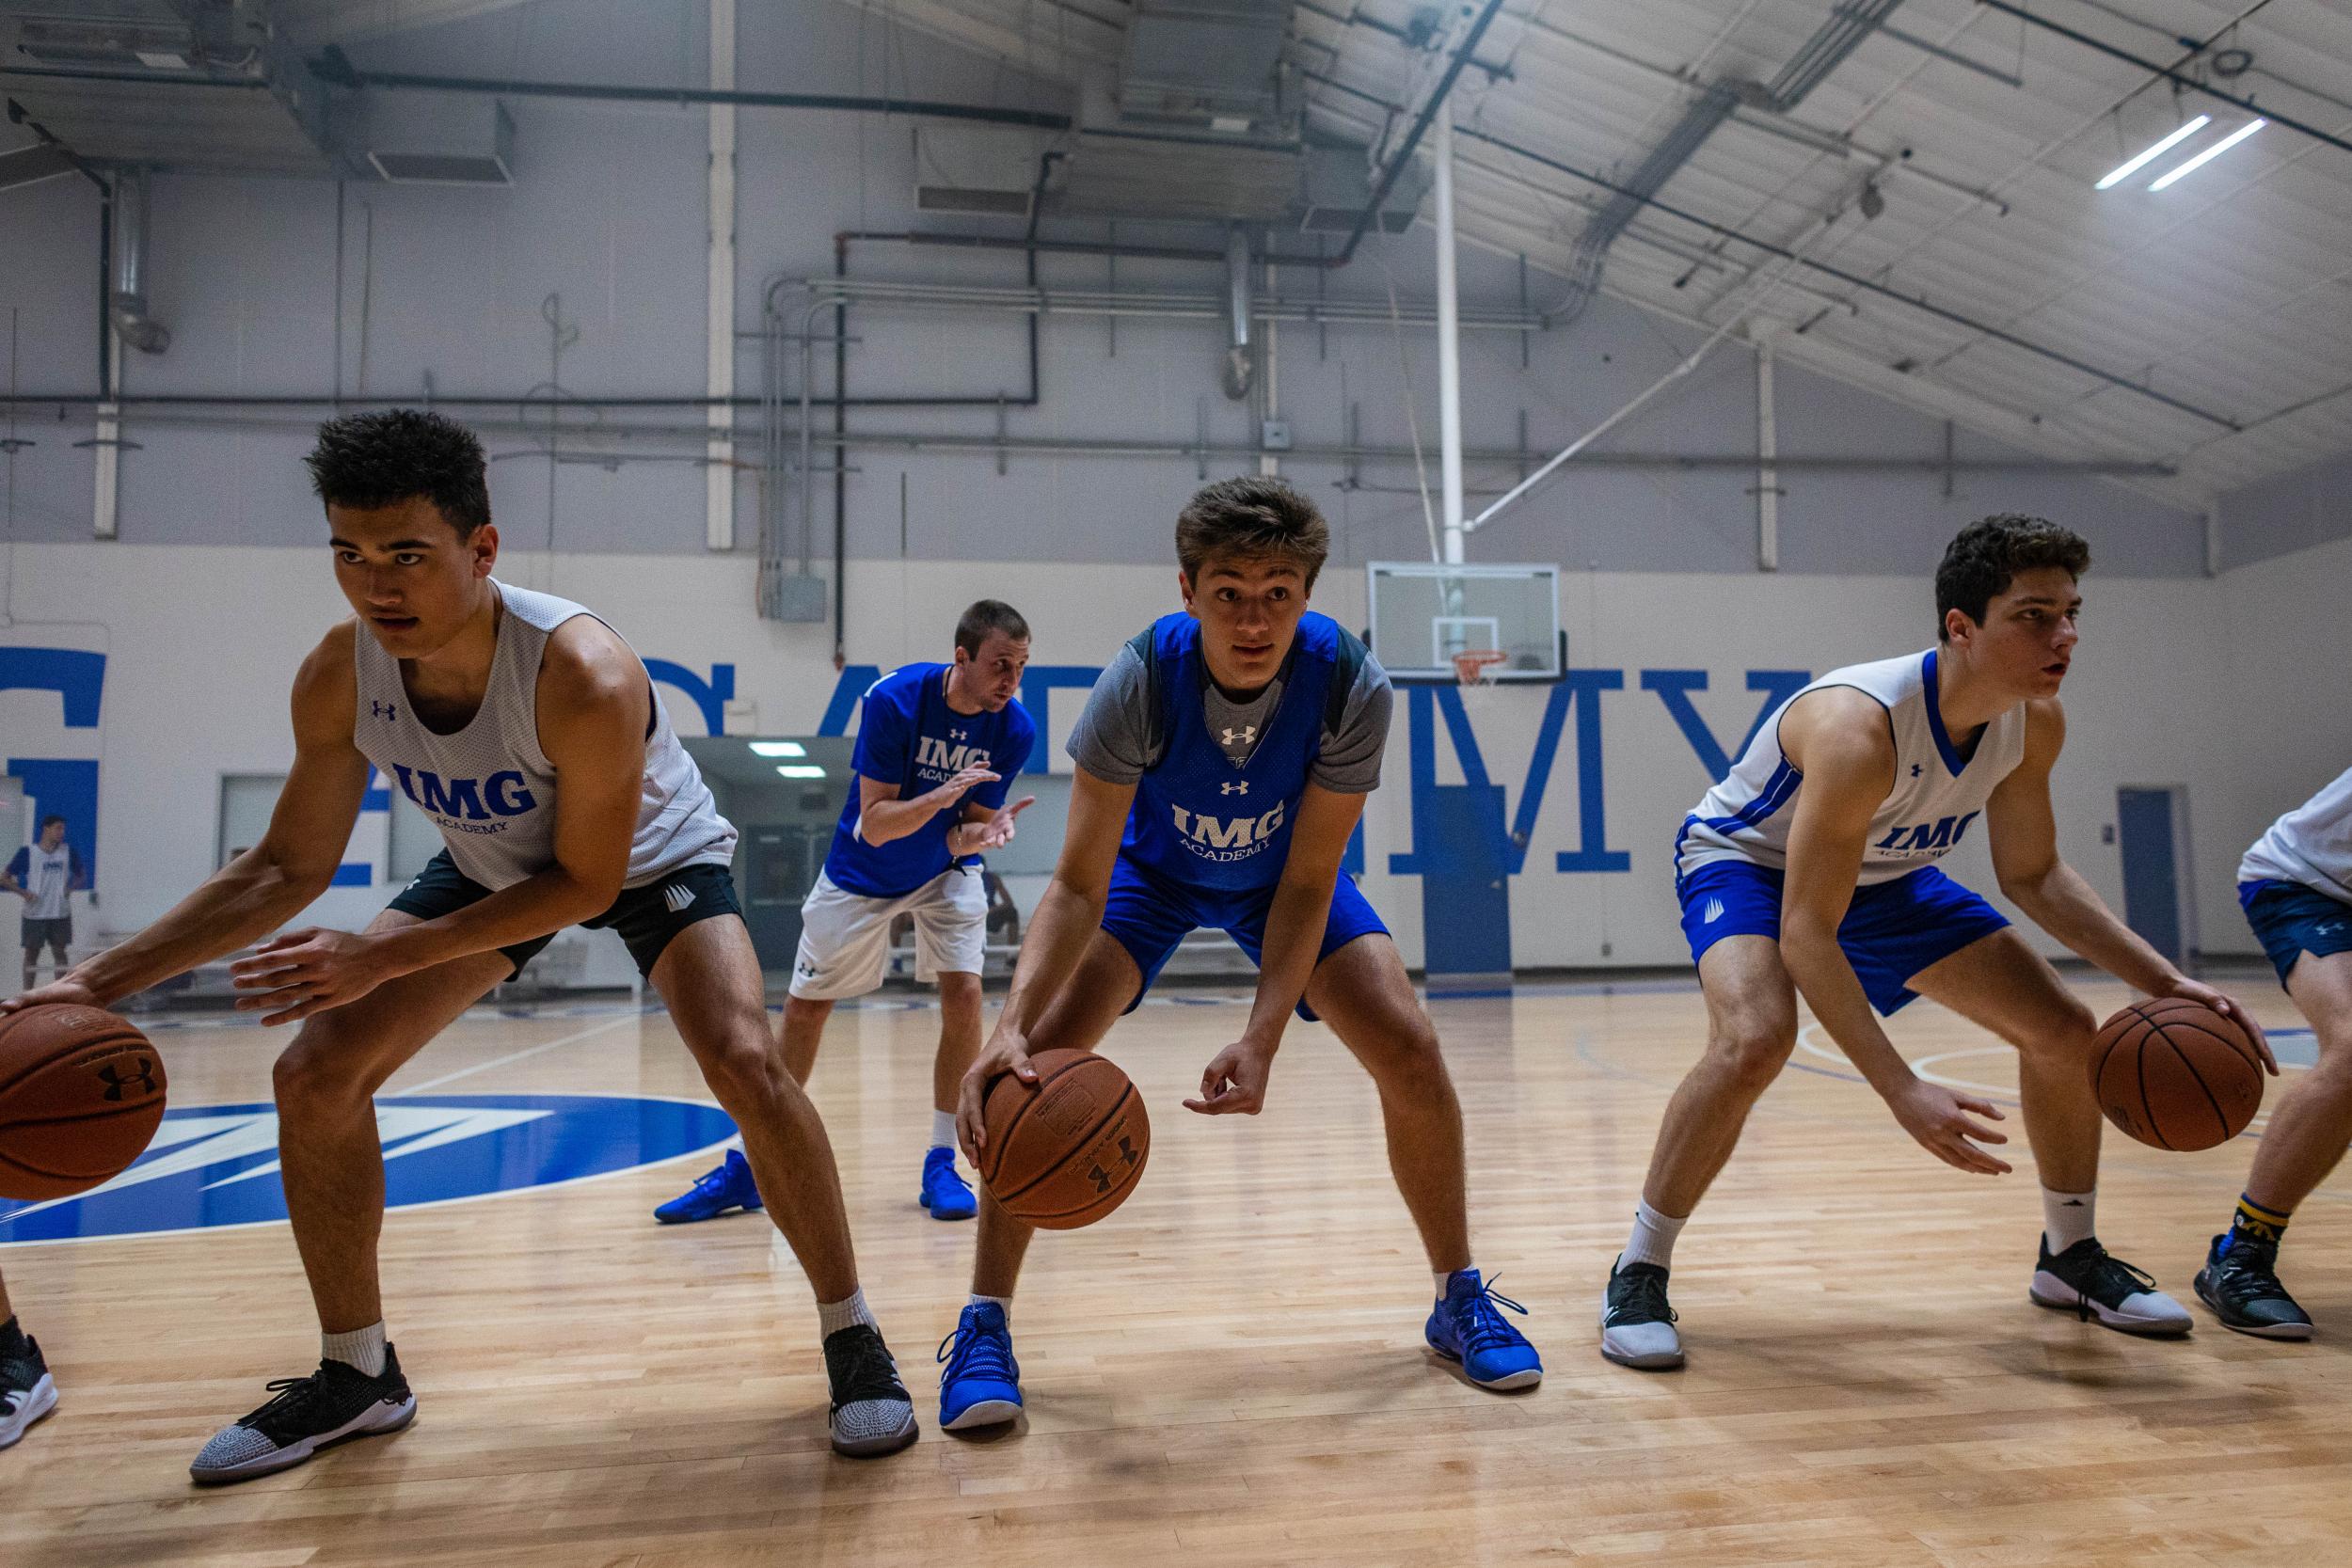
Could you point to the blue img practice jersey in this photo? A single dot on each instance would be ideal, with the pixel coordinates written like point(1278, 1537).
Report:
point(908, 736)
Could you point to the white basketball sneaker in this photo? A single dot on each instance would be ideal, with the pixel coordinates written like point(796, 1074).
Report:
point(1637, 1327)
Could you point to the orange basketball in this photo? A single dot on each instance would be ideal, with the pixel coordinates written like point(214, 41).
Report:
point(81, 1093)
point(2176, 1074)
point(1066, 1151)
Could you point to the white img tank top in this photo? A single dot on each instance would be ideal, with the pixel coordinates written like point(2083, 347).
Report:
point(2311, 845)
point(490, 788)
point(1936, 798)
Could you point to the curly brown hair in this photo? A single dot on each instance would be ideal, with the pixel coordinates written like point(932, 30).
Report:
point(1987, 555)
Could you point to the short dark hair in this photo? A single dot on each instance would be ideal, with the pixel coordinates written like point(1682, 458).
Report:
point(984, 616)
point(388, 455)
point(1253, 516)
point(1987, 555)
point(53, 819)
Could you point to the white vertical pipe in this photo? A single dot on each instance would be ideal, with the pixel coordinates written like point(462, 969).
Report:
point(1767, 461)
point(719, 470)
point(107, 495)
point(1449, 342)
point(1271, 463)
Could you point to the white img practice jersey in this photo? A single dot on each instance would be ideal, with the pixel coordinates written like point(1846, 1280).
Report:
point(2311, 845)
point(490, 788)
point(1937, 796)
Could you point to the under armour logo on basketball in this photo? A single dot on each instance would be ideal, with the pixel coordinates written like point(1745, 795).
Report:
point(116, 1082)
point(386, 711)
point(1247, 734)
point(1100, 1178)
point(1235, 787)
point(677, 896)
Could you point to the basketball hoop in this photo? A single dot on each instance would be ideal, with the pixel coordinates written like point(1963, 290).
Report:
point(1477, 666)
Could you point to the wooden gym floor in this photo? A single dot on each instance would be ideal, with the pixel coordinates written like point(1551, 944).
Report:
point(1230, 1369)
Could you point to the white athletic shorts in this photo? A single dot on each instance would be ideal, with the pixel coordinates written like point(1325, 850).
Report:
point(845, 937)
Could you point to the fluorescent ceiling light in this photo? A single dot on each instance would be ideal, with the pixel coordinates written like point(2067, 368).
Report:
point(2209, 154)
point(2127, 170)
point(778, 749)
point(803, 770)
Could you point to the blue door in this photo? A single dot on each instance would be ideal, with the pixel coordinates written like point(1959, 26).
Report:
point(2152, 882)
point(1466, 898)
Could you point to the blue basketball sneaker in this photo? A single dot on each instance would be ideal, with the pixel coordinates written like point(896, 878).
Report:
point(727, 1186)
point(982, 1383)
point(943, 1192)
point(1463, 1327)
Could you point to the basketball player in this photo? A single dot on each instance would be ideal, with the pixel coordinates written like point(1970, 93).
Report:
point(43, 874)
point(528, 730)
point(1812, 868)
point(2295, 887)
point(936, 744)
point(1223, 760)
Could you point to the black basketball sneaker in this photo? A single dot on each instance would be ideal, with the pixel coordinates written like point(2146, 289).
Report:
point(2242, 1287)
point(1637, 1327)
point(2091, 1282)
point(332, 1405)
point(26, 1390)
point(872, 1413)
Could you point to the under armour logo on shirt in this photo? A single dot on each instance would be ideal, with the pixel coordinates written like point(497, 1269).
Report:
point(955, 734)
point(386, 711)
point(1239, 787)
point(1247, 734)
point(1914, 769)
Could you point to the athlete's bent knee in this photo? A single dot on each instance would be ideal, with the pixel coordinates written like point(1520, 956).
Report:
point(746, 1074)
point(317, 1072)
point(1750, 1051)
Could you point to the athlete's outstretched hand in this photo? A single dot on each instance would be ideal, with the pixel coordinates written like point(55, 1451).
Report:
point(997, 830)
point(2230, 1008)
point(1234, 1081)
point(1939, 1120)
point(1007, 1050)
point(69, 991)
point(296, 974)
point(953, 790)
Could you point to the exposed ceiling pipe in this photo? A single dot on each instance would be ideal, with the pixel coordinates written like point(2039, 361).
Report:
point(1239, 369)
point(332, 65)
point(1406, 148)
point(127, 303)
point(1806, 68)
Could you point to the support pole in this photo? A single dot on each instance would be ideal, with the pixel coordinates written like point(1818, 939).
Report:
point(1767, 463)
point(1449, 340)
point(718, 451)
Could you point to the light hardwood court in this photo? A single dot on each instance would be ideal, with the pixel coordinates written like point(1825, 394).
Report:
point(1230, 1369)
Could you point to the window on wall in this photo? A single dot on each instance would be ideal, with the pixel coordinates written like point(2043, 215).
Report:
point(415, 839)
point(247, 801)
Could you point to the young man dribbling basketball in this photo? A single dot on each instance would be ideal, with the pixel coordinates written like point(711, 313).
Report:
point(1223, 761)
point(529, 731)
point(1811, 868)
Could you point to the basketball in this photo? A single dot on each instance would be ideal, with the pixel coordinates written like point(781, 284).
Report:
point(81, 1093)
point(1066, 1151)
point(2176, 1074)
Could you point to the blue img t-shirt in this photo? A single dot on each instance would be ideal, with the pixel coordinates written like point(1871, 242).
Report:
point(909, 736)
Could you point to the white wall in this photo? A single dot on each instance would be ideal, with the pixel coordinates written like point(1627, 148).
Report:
point(201, 643)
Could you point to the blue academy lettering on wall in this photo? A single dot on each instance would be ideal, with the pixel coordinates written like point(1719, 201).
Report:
point(1673, 689)
point(216, 1165)
point(65, 785)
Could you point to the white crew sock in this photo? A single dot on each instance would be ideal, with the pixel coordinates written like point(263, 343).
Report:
point(1653, 1239)
point(1441, 1275)
point(1003, 1303)
point(2068, 1218)
point(835, 1316)
point(943, 1130)
point(363, 1348)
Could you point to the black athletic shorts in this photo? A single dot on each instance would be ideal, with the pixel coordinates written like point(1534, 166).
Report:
point(647, 917)
point(58, 933)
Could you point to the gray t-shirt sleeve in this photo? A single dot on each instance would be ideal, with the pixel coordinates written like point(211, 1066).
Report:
point(1113, 738)
point(1350, 760)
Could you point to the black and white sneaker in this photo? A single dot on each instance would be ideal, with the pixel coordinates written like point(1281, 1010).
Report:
point(2242, 1287)
point(334, 1404)
point(872, 1413)
point(27, 1392)
point(1637, 1327)
point(2091, 1282)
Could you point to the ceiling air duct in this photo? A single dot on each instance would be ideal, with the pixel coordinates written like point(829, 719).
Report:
point(440, 139)
point(128, 293)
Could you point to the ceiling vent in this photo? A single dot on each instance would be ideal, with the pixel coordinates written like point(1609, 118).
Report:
point(123, 45)
point(440, 139)
point(981, 171)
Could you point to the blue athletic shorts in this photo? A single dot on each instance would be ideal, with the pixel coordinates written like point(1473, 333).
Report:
point(1892, 930)
point(2291, 920)
point(1149, 915)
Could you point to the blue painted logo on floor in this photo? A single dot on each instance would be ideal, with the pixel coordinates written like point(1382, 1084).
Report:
point(216, 1165)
